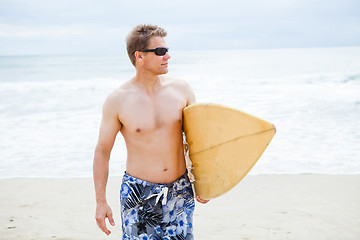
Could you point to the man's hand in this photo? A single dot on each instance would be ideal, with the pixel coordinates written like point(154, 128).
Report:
point(104, 211)
point(200, 200)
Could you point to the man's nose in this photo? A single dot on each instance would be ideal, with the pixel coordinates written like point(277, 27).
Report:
point(167, 56)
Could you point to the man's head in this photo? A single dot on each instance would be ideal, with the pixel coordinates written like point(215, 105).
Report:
point(139, 39)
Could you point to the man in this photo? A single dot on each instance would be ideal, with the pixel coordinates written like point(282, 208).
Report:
point(156, 196)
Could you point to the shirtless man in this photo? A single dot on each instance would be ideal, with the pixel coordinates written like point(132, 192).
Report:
point(156, 197)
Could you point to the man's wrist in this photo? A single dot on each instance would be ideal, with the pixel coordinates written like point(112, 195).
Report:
point(101, 201)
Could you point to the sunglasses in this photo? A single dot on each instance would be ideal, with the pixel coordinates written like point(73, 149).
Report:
point(160, 51)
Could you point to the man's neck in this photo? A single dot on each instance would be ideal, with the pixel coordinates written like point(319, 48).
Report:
point(147, 81)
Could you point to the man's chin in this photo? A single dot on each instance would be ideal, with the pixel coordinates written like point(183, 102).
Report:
point(164, 71)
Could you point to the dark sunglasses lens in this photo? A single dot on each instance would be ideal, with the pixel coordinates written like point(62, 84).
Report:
point(161, 51)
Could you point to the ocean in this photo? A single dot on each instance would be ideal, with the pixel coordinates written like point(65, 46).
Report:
point(50, 107)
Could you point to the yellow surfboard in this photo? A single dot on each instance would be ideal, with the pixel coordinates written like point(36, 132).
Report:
point(224, 144)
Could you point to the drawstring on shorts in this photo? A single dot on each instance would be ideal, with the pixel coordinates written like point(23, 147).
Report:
point(163, 193)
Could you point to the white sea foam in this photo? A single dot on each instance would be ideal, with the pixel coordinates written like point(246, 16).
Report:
point(50, 107)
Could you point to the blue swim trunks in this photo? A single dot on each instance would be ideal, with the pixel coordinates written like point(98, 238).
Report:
point(155, 211)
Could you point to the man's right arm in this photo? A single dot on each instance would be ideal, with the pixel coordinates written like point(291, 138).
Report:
point(110, 126)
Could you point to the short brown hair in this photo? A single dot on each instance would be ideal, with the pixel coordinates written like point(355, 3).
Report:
point(138, 38)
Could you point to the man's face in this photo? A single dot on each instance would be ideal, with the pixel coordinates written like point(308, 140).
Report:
point(154, 63)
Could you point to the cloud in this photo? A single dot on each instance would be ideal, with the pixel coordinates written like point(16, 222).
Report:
point(103, 25)
point(43, 31)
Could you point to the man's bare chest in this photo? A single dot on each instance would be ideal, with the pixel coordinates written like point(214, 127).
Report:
point(146, 114)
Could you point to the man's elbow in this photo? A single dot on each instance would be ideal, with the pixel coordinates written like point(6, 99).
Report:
point(101, 154)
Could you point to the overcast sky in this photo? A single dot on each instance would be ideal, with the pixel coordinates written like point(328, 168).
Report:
point(100, 26)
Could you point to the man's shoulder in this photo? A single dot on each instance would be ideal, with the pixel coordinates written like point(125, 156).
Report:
point(176, 82)
point(183, 88)
point(118, 95)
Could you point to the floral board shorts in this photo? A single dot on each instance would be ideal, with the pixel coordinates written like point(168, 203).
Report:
point(155, 211)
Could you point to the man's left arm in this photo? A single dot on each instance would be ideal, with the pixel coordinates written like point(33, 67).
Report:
point(190, 96)
point(191, 100)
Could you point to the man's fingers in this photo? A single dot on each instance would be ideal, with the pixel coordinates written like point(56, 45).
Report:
point(111, 220)
point(103, 211)
point(101, 223)
point(200, 200)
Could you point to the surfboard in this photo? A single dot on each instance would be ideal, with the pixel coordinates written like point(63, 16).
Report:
point(223, 145)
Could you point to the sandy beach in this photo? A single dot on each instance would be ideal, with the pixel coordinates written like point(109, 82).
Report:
point(260, 207)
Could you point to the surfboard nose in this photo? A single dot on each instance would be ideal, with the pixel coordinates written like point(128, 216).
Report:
point(274, 127)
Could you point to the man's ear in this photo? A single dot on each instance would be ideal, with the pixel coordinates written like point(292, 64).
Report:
point(138, 55)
